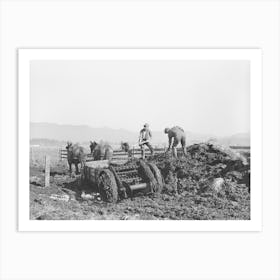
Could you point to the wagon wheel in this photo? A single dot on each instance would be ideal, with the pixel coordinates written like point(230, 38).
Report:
point(157, 175)
point(107, 186)
point(148, 175)
point(121, 188)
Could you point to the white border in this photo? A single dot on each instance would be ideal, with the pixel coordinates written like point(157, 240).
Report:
point(253, 55)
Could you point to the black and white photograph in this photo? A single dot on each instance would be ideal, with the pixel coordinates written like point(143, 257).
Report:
point(140, 139)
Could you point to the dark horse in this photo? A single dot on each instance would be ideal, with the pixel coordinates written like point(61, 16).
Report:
point(125, 147)
point(101, 151)
point(75, 155)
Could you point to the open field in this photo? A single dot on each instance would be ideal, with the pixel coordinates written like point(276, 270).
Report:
point(189, 192)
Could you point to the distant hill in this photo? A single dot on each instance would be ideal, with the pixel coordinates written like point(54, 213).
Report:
point(50, 133)
point(240, 139)
point(77, 133)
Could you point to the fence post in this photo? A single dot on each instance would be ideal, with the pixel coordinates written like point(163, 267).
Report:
point(47, 171)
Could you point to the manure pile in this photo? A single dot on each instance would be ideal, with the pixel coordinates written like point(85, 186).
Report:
point(210, 175)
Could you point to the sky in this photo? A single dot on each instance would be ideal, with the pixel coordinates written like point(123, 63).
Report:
point(202, 96)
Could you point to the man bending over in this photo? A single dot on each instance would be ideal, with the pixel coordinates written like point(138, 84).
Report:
point(176, 135)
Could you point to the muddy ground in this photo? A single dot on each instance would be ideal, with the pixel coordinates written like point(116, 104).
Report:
point(210, 183)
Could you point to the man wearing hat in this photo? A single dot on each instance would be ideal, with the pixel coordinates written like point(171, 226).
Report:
point(144, 139)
